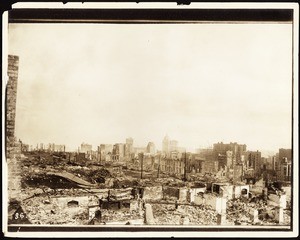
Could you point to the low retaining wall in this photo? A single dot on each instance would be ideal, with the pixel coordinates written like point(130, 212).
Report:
point(83, 201)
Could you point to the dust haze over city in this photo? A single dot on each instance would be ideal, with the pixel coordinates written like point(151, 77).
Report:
point(200, 84)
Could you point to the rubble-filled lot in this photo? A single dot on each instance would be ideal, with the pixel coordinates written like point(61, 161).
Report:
point(240, 212)
point(41, 192)
point(41, 210)
point(167, 214)
point(35, 169)
point(109, 215)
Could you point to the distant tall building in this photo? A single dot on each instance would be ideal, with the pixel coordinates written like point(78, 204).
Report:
point(272, 163)
point(285, 164)
point(253, 163)
point(118, 152)
point(151, 148)
point(170, 146)
point(59, 148)
point(104, 150)
point(206, 153)
point(238, 150)
point(285, 154)
point(165, 144)
point(173, 146)
point(181, 149)
point(56, 147)
point(85, 148)
point(128, 147)
point(129, 141)
point(276, 162)
point(138, 150)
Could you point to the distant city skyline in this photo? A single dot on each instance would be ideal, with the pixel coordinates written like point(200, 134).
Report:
point(198, 83)
point(265, 152)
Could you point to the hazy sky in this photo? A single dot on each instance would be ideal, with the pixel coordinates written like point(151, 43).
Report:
point(198, 83)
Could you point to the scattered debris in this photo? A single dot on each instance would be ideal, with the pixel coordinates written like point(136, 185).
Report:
point(86, 192)
point(167, 214)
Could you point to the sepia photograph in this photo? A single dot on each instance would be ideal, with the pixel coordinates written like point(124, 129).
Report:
point(151, 119)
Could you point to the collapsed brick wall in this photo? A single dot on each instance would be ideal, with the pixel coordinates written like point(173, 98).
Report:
point(11, 100)
point(12, 147)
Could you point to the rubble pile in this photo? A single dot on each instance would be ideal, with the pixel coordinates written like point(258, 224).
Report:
point(56, 190)
point(36, 176)
point(124, 182)
point(44, 162)
point(164, 214)
point(41, 207)
point(202, 215)
point(42, 159)
point(240, 212)
point(91, 175)
point(41, 210)
point(196, 215)
point(268, 216)
point(165, 181)
point(109, 215)
point(43, 180)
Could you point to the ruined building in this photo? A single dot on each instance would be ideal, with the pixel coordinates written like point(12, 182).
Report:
point(12, 146)
point(253, 163)
point(170, 146)
point(128, 148)
point(173, 146)
point(56, 147)
point(220, 149)
point(151, 148)
point(285, 164)
point(104, 152)
point(118, 152)
point(85, 148)
point(165, 144)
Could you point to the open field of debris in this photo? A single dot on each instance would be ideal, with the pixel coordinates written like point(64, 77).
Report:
point(57, 191)
point(167, 214)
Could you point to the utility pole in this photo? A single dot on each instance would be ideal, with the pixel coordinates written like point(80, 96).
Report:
point(158, 169)
point(242, 175)
point(142, 159)
point(184, 178)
